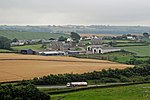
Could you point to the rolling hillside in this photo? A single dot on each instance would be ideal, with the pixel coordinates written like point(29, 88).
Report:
point(29, 35)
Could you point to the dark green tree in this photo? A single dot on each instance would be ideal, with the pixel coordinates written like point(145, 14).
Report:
point(15, 40)
point(146, 35)
point(4, 43)
point(61, 38)
point(75, 36)
point(51, 39)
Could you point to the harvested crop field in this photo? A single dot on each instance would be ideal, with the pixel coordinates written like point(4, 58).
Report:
point(17, 67)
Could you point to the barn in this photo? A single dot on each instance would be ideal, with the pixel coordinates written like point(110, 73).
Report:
point(101, 49)
point(73, 52)
point(28, 51)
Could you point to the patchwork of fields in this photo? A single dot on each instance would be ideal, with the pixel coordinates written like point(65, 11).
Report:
point(17, 67)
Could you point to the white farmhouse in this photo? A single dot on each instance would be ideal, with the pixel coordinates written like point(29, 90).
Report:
point(101, 49)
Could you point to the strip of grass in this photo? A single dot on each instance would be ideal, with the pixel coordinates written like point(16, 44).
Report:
point(5, 51)
point(121, 41)
point(129, 44)
point(135, 92)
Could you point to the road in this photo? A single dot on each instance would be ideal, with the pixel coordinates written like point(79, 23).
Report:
point(64, 86)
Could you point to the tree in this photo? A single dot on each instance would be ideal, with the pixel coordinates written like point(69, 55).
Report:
point(15, 40)
point(51, 39)
point(84, 37)
point(61, 38)
point(146, 35)
point(4, 43)
point(75, 36)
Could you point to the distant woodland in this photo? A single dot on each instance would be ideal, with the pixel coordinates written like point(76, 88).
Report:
point(95, 29)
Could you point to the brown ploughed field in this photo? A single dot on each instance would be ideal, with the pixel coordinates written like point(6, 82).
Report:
point(15, 67)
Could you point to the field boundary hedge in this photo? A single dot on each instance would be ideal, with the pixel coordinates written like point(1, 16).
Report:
point(94, 87)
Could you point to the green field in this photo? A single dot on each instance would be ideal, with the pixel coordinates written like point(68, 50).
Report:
point(4, 50)
point(135, 92)
point(29, 35)
point(122, 41)
point(139, 50)
point(33, 47)
point(120, 57)
point(130, 44)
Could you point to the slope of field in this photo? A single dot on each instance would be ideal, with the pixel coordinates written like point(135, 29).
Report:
point(33, 47)
point(135, 92)
point(29, 35)
point(17, 67)
point(139, 50)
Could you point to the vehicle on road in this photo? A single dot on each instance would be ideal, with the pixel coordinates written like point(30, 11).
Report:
point(74, 84)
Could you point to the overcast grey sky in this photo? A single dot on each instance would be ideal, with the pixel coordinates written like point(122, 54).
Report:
point(86, 12)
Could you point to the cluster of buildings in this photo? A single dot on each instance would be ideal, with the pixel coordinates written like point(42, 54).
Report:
point(67, 48)
point(48, 53)
point(55, 47)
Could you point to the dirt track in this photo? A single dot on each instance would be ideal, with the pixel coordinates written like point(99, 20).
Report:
point(17, 67)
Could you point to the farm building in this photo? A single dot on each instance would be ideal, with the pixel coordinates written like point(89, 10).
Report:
point(51, 53)
point(73, 52)
point(28, 51)
point(55, 45)
point(17, 43)
point(97, 41)
point(101, 49)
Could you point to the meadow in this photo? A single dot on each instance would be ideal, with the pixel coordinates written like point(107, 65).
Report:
point(17, 67)
point(133, 92)
point(139, 50)
point(120, 57)
point(33, 47)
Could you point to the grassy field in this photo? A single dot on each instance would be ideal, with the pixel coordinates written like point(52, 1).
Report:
point(4, 50)
point(29, 35)
point(135, 92)
point(33, 47)
point(139, 50)
point(17, 67)
point(120, 41)
point(120, 57)
point(129, 44)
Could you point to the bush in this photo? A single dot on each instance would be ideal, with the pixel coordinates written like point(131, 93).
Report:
point(28, 92)
point(109, 80)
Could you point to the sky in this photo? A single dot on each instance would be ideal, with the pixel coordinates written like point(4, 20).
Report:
point(75, 12)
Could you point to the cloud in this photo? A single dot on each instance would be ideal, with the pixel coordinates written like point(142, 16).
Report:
point(117, 12)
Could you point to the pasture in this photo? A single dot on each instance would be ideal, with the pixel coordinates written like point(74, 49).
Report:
point(134, 92)
point(34, 47)
point(139, 50)
point(17, 67)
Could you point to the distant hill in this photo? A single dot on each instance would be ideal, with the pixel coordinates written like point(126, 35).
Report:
point(95, 29)
point(29, 35)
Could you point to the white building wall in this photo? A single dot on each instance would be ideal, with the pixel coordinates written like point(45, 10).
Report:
point(110, 50)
